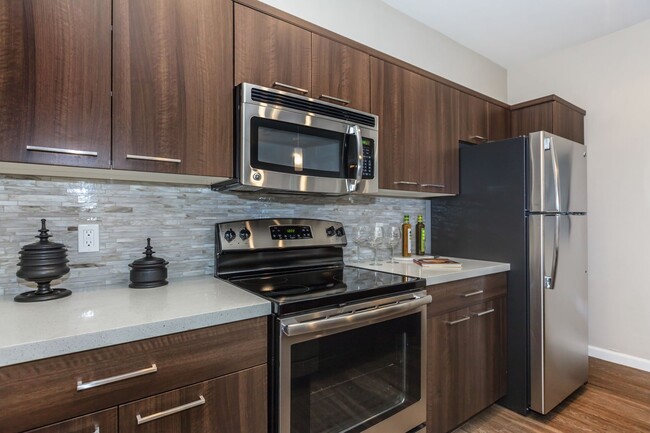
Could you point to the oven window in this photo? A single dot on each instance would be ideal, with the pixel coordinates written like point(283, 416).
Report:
point(296, 149)
point(349, 381)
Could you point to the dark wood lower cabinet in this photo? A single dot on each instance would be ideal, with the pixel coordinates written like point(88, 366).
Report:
point(466, 362)
point(230, 404)
point(99, 422)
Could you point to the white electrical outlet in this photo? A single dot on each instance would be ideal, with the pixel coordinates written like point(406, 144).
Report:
point(88, 238)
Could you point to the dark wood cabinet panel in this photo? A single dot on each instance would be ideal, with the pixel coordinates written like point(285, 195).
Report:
point(231, 404)
point(270, 51)
point(568, 123)
point(340, 71)
point(100, 422)
point(498, 122)
point(172, 86)
point(551, 114)
point(466, 350)
point(531, 119)
point(45, 391)
point(55, 81)
point(473, 119)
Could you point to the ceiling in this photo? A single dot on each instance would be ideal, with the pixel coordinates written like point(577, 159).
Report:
point(513, 32)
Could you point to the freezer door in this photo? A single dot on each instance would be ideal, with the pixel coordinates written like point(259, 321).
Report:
point(557, 174)
point(558, 308)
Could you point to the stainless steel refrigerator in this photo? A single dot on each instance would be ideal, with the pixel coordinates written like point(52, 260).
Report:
point(524, 201)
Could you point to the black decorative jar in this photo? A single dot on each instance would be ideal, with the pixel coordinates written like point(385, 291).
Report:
point(42, 262)
point(149, 271)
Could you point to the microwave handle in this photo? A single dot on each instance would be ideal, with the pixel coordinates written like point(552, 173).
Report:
point(353, 184)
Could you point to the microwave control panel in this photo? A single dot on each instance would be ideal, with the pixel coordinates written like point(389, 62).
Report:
point(368, 158)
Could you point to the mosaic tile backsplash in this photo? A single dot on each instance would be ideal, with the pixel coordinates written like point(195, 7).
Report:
point(179, 219)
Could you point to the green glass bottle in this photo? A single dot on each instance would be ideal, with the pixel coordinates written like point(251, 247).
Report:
point(420, 237)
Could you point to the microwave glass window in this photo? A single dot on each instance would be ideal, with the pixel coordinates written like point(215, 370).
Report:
point(296, 149)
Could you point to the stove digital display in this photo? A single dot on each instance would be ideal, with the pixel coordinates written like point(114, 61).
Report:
point(291, 232)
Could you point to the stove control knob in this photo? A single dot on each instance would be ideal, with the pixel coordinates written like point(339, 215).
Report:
point(330, 231)
point(244, 234)
point(340, 232)
point(229, 235)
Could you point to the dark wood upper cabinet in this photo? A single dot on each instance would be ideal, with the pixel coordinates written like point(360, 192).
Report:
point(473, 119)
point(172, 86)
point(417, 147)
point(271, 52)
point(340, 74)
point(551, 114)
point(55, 82)
point(498, 122)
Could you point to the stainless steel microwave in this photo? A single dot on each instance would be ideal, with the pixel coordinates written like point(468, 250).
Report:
point(292, 143)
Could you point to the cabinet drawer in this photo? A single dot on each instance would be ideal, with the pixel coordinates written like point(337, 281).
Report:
point(231, 404)
point(99, 422)
point(54, 389)
point(463, 293)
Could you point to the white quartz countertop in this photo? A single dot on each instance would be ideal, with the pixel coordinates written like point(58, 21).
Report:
point(470, 269)
point(90, 319)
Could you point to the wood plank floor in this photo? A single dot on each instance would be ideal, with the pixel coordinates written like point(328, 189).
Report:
point(616, 400)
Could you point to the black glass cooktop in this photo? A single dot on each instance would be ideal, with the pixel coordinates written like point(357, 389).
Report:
point(300, 291)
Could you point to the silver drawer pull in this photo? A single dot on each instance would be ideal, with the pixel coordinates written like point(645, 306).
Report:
point(470, 294)
point(95, 383)
point(456, 322)
point(335, 99)
point(483, 313)
point(164, 413)
point(433, 185)
point(287, 86)
point(96, 429)
point(64, 151)
point(153, 158)
point(404, 182)
point(478, 137)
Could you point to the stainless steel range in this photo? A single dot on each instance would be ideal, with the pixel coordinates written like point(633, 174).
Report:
point(347, 349)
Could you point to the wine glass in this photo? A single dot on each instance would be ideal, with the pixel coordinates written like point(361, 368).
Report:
point(360, 235)
point(376, 238)
point(393, 237)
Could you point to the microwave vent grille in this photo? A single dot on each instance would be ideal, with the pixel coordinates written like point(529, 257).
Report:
point(301, 104)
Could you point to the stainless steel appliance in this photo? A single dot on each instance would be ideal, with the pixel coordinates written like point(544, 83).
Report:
point(293, 143)
point(524, 201)
point(348, 345)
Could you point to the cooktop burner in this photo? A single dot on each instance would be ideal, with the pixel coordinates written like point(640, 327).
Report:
point(303, 290)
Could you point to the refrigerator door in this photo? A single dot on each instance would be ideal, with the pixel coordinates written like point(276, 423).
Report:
point(557, 174)
point(558, 308)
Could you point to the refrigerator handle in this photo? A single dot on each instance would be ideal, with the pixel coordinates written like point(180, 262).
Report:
point(549, 280)
point(548, 146)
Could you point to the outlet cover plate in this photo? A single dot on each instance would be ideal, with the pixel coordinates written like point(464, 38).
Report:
point(88, 238)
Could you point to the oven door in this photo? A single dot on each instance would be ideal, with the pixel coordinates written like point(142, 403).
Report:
point(359, 368)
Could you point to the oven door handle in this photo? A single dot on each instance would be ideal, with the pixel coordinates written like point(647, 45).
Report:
point(354, 318)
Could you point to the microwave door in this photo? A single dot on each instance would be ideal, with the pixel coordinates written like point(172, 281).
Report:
point(354, 158)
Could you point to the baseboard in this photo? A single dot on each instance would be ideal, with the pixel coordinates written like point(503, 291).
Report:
point(620, 358)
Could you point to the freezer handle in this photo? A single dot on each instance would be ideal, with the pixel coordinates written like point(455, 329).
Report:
point(548, 146)
point(549, 280)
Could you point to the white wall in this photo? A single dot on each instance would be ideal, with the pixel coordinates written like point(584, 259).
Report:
point(610, 78)
point(377, 25)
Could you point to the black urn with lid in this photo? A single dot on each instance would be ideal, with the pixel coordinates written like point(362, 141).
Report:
point(149, 271)
point(42, 262)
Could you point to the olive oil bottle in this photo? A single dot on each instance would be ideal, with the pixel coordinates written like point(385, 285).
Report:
point(420, 237)
point(407, 243)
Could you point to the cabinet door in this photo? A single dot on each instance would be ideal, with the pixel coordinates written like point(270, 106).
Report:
point(234, 403)
point(172, 89)
point(340, 74)
point(568, 123)
point(55, 82)
point(498, 122)
point(99, 422)
point(271, 52)
point(533, 118)
point(473, 119)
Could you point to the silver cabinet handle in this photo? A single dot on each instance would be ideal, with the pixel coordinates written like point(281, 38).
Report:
point(335, 99)
point(354, 318)
point(456, 322)
point(64, 151)
point(96, 429)
point(432, 185)
point(483, 313)
point(287, 86)
point(404, 182)
point(478, 137)
point(95, 383)
point(470, 294)
point(153, 158)
point(144, 419)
